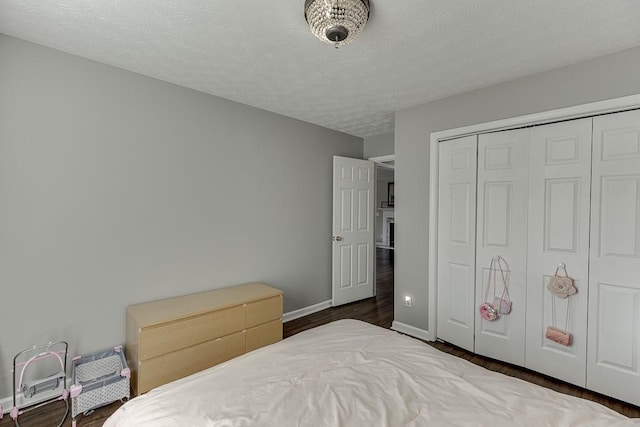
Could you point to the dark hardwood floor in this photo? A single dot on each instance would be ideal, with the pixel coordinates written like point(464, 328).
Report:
point(536, 378)
point(378, 311)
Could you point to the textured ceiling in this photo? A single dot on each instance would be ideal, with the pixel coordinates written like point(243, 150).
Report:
point(261, 53)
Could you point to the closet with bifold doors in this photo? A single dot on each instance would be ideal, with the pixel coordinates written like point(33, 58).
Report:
point(559, 206)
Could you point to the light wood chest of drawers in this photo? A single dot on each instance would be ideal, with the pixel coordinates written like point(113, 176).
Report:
point(175, 337)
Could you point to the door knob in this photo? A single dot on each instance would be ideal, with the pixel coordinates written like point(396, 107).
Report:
point(337, 238)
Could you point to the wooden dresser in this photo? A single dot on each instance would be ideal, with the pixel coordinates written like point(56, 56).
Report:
point(175, 337)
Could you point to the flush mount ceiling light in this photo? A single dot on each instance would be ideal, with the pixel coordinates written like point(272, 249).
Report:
point(336, 22)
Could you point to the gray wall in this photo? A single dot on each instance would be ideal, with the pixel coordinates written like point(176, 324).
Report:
point(594, 80)
point(117, 188)
point(381, 145)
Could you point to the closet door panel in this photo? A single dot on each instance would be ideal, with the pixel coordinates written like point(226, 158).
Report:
point(613, 355)
point(456, 241)
point(559, 203)
point(503, 175)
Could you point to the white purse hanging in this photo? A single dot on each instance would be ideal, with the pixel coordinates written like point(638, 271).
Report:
point(561, 286)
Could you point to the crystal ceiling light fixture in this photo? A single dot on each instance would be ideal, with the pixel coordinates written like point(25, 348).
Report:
point(336, 22)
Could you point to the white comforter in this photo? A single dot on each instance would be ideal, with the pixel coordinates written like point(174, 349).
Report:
point(350, 373)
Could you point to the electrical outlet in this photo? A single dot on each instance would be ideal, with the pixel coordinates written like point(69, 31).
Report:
point(407, 300)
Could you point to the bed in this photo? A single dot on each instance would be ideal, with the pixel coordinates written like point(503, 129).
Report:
point(351, 373)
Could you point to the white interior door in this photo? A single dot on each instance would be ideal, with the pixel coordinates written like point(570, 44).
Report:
point(559, 199)
point(457, 241)
point(353, 251)
point(503, 180)
point(613, 357)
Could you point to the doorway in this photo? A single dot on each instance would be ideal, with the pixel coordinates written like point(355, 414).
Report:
point(384, 214)
point(385, 204)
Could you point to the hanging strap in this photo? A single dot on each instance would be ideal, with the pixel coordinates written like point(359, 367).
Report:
point(495, 265)
point(486, 291)
point(564, 268)
point(505, 287)
point(553, 303)
point(553, 313)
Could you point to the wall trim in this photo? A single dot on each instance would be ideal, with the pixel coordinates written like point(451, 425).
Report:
point(583, 110)
point(6, 403)
point(305, 311)
point(613, 105)
point(413, 331)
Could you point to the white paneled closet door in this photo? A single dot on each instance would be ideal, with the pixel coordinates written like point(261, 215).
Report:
point(503, 179)
point(613, 358)
point(559, 203)
point(457, 241)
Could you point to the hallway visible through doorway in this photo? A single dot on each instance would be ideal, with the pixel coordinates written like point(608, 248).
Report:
point(377, 310)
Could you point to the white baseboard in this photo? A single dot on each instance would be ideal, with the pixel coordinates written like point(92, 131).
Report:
point(6, 403)
point(413, 331)
point(296, 314)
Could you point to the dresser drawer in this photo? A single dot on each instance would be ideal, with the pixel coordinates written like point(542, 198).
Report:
point(169, 367)
point(165, 338)
point(263, 311)
point(265, 334)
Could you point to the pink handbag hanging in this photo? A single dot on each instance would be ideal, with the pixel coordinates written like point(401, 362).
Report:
point(499, 305)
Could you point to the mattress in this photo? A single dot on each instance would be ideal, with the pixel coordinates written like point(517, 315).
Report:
point(351, 373)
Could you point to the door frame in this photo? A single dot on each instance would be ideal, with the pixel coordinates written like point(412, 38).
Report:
point(575, 112)
point(380, 161)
